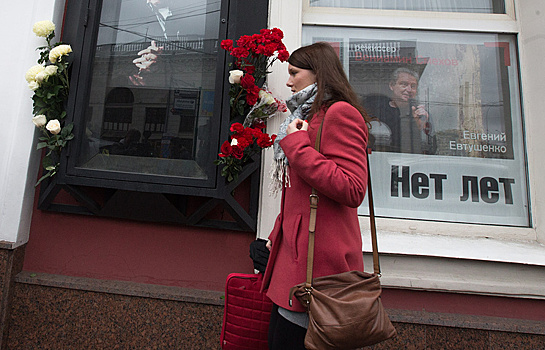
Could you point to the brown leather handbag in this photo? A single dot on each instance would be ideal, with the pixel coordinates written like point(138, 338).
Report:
point(345, 310)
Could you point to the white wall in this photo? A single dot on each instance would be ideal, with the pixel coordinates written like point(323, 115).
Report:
point(532, 71)
point(290, 23)
point(19, 161)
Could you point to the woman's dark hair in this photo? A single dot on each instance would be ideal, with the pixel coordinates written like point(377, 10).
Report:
point(333, 85)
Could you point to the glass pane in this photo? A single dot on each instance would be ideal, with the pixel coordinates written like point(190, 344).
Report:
point(474, 6)
point(447, 134)
point(152, 92)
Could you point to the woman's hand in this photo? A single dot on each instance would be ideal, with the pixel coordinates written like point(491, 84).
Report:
point(296, 125)
point(269, 244)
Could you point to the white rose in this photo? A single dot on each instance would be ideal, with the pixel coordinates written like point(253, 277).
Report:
point(39, 120)
point(30, 74)
point(234, 142)
point(266, 97)
point(43, 28)
point(41, 77)
point(53, 126)
point(59, 51)
point(51, 70)
point(235, 75)
point(33, 85)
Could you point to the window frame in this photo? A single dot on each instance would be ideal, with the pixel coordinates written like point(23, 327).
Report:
point(436, 21)
point(79, 93)
point(395, 19)
point(395, 10)
point(424, 20)
point(80, 30)
point(399, 208)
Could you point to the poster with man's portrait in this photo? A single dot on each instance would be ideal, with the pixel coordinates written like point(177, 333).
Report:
point(446, 129)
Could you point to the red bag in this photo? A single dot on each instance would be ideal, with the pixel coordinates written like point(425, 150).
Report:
point(247, 313)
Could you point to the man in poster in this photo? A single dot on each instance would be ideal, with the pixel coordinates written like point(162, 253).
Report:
point(402, 124)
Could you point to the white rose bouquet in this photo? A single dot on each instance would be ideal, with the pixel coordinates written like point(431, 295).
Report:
point(49, 81)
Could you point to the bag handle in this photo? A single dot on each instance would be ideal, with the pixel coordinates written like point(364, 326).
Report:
point(312, 221)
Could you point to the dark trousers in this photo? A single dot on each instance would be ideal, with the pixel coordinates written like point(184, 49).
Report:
point(283, 334)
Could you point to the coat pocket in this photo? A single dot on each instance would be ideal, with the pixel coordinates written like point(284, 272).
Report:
point(291, 232)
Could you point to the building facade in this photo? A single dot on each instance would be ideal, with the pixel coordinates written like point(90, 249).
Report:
point(131, 241)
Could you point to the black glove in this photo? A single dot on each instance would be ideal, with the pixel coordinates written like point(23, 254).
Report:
point(259, 254)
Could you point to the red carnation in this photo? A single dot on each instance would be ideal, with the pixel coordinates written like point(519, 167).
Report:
point(237, 128)
point(258, 38)
point(256, 132)
point(267, 49)
point(226, 149)
point(259, 124)
point(240, 52)
point(277, 33)
point(242, 142)
point(259, 50)
point(246, 42)
point(283, 55)
point(252, 95)
point(237, 152)
point(250, 69)
point(248, 135)
point(227, 44)
point(264, 141)
point(247, 81)
point(270, 49)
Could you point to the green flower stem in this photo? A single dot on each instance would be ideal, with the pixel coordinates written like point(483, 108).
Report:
point(64, 79)
point(238, 96)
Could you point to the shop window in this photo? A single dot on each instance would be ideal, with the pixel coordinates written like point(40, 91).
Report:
point(150, 52)
point(472, 6)
point(447, 135)
point(149, 104)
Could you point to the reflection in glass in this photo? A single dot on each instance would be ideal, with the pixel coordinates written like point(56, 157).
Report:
point(466, 85)
point(429, 95)
point(152, 92)
point(473, 6)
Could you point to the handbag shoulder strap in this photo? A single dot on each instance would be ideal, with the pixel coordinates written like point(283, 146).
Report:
point(372, 224)
point(312, 221)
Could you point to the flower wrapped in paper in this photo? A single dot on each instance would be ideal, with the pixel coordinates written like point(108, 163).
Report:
point(265, 107)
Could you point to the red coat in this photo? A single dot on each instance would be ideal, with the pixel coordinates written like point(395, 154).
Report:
point(339, 174)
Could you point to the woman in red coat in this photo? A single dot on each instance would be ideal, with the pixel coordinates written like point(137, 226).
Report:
point(338, 172)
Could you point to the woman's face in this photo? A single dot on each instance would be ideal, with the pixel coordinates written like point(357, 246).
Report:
point(299, 78)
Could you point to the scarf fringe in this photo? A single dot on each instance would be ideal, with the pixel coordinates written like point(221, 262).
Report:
point(280, 177)
point(299, 104)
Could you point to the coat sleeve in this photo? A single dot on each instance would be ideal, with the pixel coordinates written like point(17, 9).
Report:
point(340, 170)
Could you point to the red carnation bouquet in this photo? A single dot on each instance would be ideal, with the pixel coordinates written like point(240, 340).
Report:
point(255, 54)
point(242, 144)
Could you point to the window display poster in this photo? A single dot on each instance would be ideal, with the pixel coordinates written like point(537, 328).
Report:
point(446, 129)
